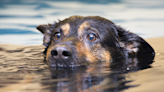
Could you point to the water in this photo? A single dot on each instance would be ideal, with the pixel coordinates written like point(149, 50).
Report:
point(22, 68)
point(19, 18)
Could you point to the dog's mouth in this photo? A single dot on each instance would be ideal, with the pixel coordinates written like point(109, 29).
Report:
point(66, 63)
point(63, 63)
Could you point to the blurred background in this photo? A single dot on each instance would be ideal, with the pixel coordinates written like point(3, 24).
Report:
point(19, 18)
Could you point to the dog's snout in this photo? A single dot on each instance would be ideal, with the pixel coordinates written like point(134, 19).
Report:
point(61, 52)
point(54, 52)
point(66, 53)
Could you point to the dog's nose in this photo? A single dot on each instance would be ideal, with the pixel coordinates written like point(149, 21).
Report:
point(61, 52)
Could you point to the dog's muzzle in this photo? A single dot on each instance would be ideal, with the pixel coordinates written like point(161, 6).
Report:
point(61, 53)
point(62, 56)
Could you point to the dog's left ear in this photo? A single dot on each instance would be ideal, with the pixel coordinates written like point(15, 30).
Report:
point(46, 30)
point(132, 44)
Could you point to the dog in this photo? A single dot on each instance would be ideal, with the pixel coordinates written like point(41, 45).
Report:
point(79, 40)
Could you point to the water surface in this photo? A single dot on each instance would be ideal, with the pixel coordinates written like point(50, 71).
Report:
point(19, 18)
point(22, 68)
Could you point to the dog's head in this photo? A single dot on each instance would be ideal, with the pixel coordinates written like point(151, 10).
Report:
point(80, 40)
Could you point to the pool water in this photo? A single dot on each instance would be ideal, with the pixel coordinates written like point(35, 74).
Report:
point(22, 69)
point(22, 66)
point(18, 19)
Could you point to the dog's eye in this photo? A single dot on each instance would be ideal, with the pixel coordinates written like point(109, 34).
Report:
point(91, 37)
point(57, 35)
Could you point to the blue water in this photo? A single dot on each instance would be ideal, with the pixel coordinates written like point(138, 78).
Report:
point(19, 18)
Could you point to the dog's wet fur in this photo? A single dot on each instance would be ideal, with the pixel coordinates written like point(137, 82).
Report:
point(79, 40)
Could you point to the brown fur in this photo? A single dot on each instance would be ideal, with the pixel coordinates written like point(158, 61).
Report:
point(65, 28)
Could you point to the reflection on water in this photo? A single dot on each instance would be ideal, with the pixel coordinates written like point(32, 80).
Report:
point(13, 58)
point(20, 17)
point(22, 69)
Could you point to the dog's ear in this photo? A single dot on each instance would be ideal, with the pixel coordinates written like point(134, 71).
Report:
point(47, 31)
point(133, 44)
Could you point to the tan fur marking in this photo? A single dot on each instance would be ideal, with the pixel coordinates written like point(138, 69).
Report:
point(132, 48)
point(48, 52)
point(106, 56)
point(84, 51)
point(101, 53)
point(82, 27)
point(66, 28)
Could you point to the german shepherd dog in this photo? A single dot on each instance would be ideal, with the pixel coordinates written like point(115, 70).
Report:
point(79, 40)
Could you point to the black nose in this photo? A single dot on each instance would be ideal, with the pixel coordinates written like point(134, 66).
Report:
point(61, 52)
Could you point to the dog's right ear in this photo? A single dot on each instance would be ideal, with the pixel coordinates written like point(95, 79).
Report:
point(46, 30)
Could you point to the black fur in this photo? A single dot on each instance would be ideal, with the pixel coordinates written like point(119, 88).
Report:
point(119, 42)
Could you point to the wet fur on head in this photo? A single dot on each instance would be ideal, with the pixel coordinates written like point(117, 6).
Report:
point(111, 41)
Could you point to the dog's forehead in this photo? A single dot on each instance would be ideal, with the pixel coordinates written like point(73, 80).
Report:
point(77, 20)
point(79, 24)
point(68, 24)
